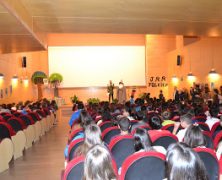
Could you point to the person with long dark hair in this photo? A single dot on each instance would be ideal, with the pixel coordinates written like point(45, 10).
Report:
point(142, 142)
point(183, 163)
point(194, 137)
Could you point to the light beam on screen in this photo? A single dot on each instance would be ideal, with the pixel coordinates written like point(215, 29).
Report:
point(94, 66)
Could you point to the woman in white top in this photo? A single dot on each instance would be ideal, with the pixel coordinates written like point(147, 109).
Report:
point(142, 142)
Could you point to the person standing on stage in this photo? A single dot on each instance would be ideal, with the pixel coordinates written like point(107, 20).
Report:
point(110, 90)
point(121, 93)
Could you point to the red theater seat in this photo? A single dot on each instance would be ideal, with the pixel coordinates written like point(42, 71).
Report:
point(109, 133)
point(203, 126)
point(162, 138)
point(215, 129)
point(74, 134)
point(208, 139)
point(6, 131)
point(74, 169)
point(73, 146)
point(144, 166)
point(147, 127)
point(121, 147)
point(208, 156)
point(104, 125)
point(27, 119)
point(217, 139)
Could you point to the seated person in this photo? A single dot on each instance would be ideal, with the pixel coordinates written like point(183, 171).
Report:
point(185, 122)
point(212, 117)
point(124, 125)
point(183, 163)
point(143, 120)
point(105, 116)
point(85, 120)
point(76, 114)
point(98, 164)
point(155, 122)
point(92, 137)
point(166, 115)
point(194, 137)
point(126, 113)
point(142, 142)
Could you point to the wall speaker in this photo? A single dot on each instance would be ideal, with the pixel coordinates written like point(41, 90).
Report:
point(24, 64)
point(179, 60)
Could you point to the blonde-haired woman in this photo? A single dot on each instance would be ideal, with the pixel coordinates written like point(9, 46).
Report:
point(98, 164)
point(92, 137)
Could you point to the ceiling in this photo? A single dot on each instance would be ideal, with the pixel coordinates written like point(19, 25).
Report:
point(172, 17)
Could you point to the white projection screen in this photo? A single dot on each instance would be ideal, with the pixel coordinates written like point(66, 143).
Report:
point(94, 66)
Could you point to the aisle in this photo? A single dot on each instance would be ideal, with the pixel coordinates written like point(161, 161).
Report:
point(45, 160)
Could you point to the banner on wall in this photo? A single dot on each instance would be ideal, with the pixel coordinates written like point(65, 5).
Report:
point(157, 81)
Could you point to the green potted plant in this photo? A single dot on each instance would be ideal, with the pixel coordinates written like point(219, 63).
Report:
point(37, 79)
point(74, 99)
point(55, 79)
point(93, 101)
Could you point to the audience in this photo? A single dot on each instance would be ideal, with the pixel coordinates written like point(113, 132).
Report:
point(98, 164)
point(182, 163)
point(185, 122)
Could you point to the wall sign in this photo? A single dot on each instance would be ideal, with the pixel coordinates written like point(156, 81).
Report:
point(157, 81)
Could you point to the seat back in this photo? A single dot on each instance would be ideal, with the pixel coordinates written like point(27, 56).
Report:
point(7, 116)
point(14, 123)
point(27, 119)
point(6, 131)
point(144, 166)
point(200, 119)
point(147, 127)
point(74, 134)
point(203, 126)
point(133, 122)
point(217, 139)
point(210, 161)
point(33, 116)
point(17, 114)
point(104, 125)
point(215, 129)
point(163, 138)
point(41, 113)
point(73, 146)
point(74, 169)
point(170, 128)
point(121, 147)
point(208, 139)
point(109, 133)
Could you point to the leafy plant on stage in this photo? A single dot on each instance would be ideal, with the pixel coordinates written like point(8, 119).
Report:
point(55, 79)
point(74, 99)
point(93, 101)
point(37, 79)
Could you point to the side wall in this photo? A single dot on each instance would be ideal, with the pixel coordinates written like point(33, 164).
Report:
point(10, 65)
point(199, 58)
